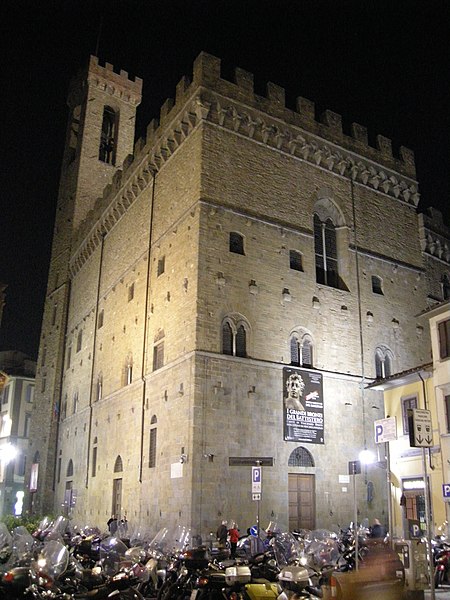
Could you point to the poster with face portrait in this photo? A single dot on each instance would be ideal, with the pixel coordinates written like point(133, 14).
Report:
point(303, 406)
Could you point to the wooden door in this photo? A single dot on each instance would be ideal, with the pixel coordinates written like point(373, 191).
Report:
point(117, 498)
point(302, 501)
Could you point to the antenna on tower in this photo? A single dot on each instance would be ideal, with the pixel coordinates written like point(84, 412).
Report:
point(100, 27)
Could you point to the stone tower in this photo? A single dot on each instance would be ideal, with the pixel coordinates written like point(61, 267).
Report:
point(100, 135)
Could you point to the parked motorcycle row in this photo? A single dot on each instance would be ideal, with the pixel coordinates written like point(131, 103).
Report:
point(55, 563)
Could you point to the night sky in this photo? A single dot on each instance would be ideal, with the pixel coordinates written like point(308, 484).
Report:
point(383, 64)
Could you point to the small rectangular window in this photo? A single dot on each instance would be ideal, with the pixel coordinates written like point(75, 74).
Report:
point(408, 402)
point(130, 292)
point(5, 395)
point(161, 266)
point(158, 356)
point(376, 285)
point(94, 461)
point(295, 260)
point(54, 312)
point(26, 427)
point(79, 340)
point(43, 385)
point(444, 339)
point(69, 356)
point(236, 243)
point(29, 394)
point(101, 316)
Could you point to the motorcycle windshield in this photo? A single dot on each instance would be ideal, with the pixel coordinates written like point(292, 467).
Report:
point(57, 529)
point(5, 537)
point(112, 554)
point(52, 560)
point(322, 548)
point(170, 541)
point(287, 549)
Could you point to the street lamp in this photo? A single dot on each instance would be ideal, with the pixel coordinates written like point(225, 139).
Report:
point(8, 453)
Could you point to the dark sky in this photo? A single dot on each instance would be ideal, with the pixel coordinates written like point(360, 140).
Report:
point(382, 63)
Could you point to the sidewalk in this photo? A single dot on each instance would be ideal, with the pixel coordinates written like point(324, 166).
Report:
point(442, 593)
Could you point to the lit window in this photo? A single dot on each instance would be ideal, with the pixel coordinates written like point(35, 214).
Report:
point(236, 243)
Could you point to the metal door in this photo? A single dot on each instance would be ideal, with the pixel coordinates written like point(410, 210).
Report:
point(302, 501)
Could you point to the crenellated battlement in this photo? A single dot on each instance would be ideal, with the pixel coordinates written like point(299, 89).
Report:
point(116, 84)
point(207, 73)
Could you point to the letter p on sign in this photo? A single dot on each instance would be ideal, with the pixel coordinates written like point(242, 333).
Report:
point(378, 432)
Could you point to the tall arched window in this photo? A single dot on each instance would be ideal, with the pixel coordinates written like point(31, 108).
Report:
point(69, 471)
point(108, 138)
point(325, 247)
point(94, 457)
point(118, 466)
point(235, 330)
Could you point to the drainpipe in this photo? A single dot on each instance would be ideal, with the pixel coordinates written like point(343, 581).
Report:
point(144, 341)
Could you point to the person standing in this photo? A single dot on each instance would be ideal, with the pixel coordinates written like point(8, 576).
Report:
point(234, 538)
point(222, 534)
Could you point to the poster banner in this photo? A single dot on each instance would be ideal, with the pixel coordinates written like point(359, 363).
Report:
point(303, 406)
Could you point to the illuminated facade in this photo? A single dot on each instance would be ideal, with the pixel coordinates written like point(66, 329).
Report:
point(241, 239)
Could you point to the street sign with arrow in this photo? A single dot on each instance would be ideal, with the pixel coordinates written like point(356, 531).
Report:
point(420, 428)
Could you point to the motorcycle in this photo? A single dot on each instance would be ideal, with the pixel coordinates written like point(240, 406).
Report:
point(441, 564)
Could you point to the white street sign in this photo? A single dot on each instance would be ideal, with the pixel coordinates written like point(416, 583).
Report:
point(385, 430)
point(256, 480)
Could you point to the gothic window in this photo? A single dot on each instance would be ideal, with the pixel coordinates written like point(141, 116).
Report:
point(235, 336)
point(295, 260)
point(69, 471)
point(444, 339)
point(301, 348)
point(325, 247)
point(108, 138)
point(130, 292)
point(236, 243)
point(446, 286)
point(383, 362)
point(118, 466)
point(301, 457)
point(79, 340)
point(377, 287)
point(152, 445)
point(408, 402)
point(94, 458)
point(161, 266)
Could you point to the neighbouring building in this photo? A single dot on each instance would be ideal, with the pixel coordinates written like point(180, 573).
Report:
point(16, 405)
point(220, 294)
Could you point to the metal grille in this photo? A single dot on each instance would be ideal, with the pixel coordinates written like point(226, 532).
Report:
point(301, 457)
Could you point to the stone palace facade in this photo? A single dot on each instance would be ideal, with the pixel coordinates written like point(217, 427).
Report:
point(220, 294)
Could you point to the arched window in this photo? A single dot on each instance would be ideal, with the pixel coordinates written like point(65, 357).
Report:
point(69, 471)
point(79, 340)
point(235, 336)
point(325, 247)
point(108, 138)
point(383, 362)
point(236, 243)
point(301, 457)
point(295, 260)
point(152, 444)
point(301, 348)
point(118, 466)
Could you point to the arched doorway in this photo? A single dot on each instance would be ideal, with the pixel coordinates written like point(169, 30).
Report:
point(301, 491)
